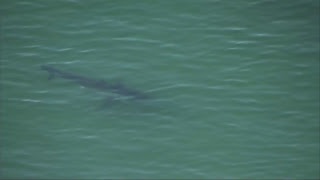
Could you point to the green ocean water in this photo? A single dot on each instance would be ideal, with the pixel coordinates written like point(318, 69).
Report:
point(233, 89)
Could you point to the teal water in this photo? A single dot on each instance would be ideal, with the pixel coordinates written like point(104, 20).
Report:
point(233, 87)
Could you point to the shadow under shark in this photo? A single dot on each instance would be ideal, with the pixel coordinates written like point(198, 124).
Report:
point(101, 85)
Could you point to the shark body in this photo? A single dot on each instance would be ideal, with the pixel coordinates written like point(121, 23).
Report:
point(102, 85)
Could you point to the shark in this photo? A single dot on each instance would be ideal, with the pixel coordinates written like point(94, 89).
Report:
point(102, 85)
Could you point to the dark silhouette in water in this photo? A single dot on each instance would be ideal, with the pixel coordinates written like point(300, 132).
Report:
point(102, 85)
